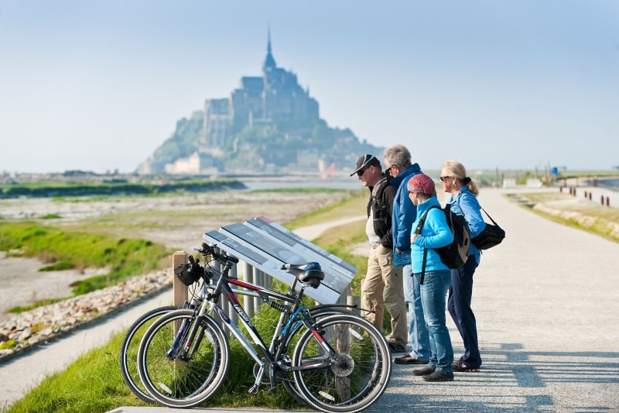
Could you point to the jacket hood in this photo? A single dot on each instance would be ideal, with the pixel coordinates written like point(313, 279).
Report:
point(413, 169)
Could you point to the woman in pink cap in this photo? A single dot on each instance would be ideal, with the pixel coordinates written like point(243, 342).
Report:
point(430, 230)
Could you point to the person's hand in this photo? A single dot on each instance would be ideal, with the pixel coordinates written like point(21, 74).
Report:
point(413, 238)
point(398, 251)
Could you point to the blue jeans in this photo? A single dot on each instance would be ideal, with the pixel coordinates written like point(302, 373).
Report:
point(433, 293)
point(417, 331)
point(460, 295)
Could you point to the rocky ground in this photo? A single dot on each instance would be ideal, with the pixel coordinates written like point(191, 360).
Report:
point(46, 323)
point(176, 221)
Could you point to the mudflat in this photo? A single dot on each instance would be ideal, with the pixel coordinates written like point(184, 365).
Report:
point(177, 221)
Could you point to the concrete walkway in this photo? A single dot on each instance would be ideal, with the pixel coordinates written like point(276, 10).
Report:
point(547, 307)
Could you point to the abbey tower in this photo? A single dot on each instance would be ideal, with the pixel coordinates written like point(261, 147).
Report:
point(274, 97)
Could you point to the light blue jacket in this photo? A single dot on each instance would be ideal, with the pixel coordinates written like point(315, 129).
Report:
point(404, 214)
point(465, 203)
point(434, 234)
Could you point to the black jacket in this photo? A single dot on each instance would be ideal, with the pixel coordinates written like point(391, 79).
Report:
point(382, 206)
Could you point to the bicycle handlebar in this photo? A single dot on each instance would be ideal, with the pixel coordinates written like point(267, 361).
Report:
point(223, 258)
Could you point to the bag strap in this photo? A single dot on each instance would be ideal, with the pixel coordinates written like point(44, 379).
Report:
point(422, 221)
point(493, 221)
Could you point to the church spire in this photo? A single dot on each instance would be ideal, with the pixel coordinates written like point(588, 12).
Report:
point(269, 62)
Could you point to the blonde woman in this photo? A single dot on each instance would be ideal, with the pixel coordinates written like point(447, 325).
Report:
point(463, 201)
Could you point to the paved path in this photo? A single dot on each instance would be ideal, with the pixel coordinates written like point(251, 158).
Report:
point(547, 306)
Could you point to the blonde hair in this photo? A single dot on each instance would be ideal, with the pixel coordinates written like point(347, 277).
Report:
point(459, 171)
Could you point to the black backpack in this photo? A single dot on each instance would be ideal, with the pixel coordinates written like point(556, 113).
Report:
point(454, 255)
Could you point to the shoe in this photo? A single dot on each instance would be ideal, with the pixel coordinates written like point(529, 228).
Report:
point(439, 376)
point(423, 371)
point(462, 367)
point(408, 359)
point(395, 347)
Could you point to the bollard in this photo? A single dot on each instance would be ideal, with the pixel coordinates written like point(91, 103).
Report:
point(607, 201)
point(602, 200)
point(561, 189)
point(179, 290)
point(590, 196)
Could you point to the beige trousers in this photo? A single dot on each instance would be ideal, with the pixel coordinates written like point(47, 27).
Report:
point(383, 287)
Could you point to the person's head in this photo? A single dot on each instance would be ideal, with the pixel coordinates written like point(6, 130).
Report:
point(420, 188)
point(397, 159)
point(453, 178)
point(368, 170)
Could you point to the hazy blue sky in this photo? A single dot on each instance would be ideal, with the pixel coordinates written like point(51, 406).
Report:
point(98, 85)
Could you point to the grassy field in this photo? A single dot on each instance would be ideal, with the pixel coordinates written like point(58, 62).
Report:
point(94, 384)
point(75, 249)
point(577, 213)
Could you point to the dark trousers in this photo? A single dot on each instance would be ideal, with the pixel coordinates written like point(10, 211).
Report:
point(459, 306)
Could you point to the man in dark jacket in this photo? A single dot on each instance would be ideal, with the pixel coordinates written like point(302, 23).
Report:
point(398, 163)
point(382, 285)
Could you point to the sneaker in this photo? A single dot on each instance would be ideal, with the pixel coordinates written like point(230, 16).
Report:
point(408, 359)
point(439, 376)
point(424, 371)
point(462, 367)
point(395, 347)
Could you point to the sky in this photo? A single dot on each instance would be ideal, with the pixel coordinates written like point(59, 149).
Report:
point(509, 84)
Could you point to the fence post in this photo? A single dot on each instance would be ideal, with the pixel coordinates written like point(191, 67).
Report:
point(233, 315)
point(258, 281)
point(248, 300)
point(180, 290)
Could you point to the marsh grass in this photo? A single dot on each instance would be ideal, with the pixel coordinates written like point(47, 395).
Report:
point(353, 205)
point(64, 249)
point(94, 384)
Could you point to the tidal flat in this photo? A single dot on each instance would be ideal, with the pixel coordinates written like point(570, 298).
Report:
point(177, 221)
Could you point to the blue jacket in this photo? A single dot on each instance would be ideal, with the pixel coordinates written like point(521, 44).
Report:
point(404, 213)
point(434, 234)
point(465, 203)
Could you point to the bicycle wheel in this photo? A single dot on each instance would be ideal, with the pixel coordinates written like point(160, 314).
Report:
point(359, 373)
point(175, 381)
point(129, 351)
point(292, 339)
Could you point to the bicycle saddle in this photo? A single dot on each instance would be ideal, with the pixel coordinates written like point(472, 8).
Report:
point(309, 273)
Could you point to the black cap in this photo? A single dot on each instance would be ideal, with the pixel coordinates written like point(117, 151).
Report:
point(364, 162)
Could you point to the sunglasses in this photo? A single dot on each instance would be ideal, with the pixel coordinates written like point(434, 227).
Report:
point(361, 172)
point(444, 178)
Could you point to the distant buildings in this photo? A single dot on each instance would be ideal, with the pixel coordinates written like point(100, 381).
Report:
point(268, 124)
point(274, 97)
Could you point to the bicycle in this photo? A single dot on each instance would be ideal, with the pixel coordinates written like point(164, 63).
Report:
point(190, 275)
point(340, 363)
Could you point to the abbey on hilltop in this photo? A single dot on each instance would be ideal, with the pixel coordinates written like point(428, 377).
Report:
point(268, 124)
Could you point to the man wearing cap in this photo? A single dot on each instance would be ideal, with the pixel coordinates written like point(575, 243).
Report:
point(399, 166)
point(382, 286)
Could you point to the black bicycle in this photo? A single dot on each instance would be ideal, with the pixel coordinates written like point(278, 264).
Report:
point(340, 362)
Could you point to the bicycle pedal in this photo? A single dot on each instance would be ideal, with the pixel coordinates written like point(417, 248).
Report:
point(271, 391)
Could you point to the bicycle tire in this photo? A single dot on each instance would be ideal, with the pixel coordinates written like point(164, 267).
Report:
point(176, 383)
point(129, 351)
point(358, 379)
point(289, 384)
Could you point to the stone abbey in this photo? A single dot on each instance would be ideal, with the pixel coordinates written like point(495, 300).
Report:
point(268, 124)
point(274, 97)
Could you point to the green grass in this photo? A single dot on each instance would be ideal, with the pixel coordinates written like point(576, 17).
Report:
point(37, 304)
point(94, 384)
point(576, 213)
point(353, 205)
point(64, 249)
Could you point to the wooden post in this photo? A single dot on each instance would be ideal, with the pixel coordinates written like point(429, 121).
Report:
point(180, 290)
point(607, 201)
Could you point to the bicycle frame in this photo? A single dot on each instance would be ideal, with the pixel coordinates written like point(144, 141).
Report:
point(293, 316)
